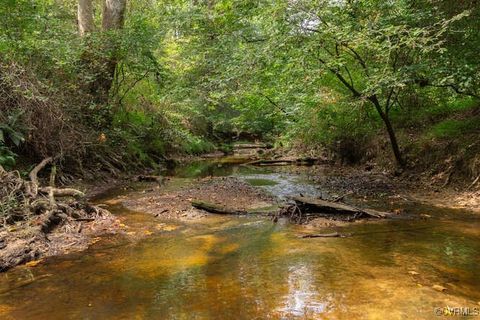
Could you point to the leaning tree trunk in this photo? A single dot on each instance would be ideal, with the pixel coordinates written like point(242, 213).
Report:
point(393, 141)
point(391, 133)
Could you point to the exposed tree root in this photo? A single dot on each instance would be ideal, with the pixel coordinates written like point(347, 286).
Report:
point(30, 213)
point(474, 183)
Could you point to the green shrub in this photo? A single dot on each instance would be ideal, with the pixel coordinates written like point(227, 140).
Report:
point(195, 145)
point(454, 128)
point(7, 157)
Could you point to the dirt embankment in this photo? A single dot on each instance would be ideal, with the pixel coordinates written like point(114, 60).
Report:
point(360, 184)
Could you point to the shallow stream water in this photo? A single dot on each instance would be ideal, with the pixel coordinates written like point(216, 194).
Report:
point(226, 267)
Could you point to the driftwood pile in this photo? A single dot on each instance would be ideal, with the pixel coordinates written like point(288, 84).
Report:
point(29, 212)
point(303, 209)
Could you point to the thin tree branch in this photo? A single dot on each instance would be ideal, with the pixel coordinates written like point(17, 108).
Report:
point(349, 75)
point(387, 104)
point(340, 77)
point(357, 56)
point(273, 103)
point(132, 86)
point(455, 88)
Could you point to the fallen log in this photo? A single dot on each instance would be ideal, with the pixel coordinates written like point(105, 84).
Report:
point(284, 162)
point(252, 146)
point(264, 162)
point(215, 208)
point(376, 213)
point(355, 234)
point(340, 198)
point(307, 161)
point(326, 235)
point(325, 206)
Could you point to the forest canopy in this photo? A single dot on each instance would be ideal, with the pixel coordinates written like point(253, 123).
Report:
point(120, 82)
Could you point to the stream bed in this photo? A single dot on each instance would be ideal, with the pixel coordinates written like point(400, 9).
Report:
point(247, 267)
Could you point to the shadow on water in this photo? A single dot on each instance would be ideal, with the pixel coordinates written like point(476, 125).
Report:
point(250, 268)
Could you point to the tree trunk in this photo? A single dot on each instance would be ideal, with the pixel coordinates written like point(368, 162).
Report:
point(113, 19)
point(113, 14)
point(393, 141)
point(390, 131)
point(85, 17)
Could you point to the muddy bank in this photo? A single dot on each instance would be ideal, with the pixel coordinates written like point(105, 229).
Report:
point(359, 185)
point(222, 191)
point(440, 184)
point(467, 200)
point(23, 243)
point(351, 182)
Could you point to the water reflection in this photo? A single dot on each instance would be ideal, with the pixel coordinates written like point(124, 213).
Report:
point(250, 268)
point(302, 298)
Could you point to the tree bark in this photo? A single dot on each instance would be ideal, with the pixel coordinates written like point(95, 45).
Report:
point(393, 141)
point(113, 19)
point(113, 14)
point(391, 132)
point(85, 17)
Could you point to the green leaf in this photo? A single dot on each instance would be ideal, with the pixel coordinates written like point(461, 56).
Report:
point(16, 137)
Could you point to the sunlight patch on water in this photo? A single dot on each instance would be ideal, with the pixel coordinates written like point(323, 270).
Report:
point(302, 298)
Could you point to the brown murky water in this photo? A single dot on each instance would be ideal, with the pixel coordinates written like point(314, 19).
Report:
point(250, 268)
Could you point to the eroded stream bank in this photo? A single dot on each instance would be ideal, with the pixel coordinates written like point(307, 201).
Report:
point(247, 267)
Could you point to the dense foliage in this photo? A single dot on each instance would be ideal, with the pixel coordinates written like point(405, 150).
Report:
point(350, 79)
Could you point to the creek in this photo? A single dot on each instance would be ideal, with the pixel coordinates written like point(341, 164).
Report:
point(248, 267)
